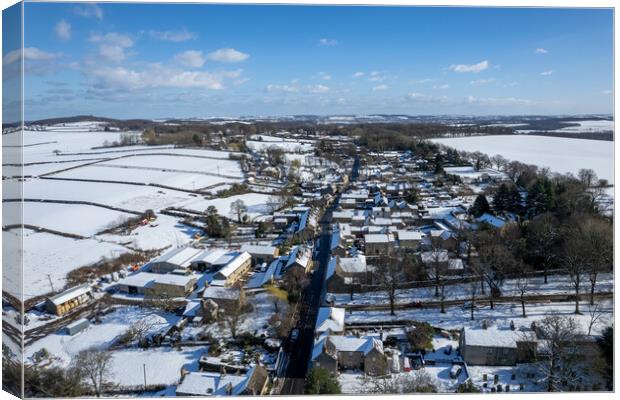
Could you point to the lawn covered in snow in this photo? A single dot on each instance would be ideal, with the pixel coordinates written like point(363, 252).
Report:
point(180, 163)
point(257, 204)
point(263, 142)
point(559, 154)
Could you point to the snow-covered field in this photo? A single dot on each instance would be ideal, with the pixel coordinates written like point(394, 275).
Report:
point(257, 204)
point(179, 163)
point(263, 142)
point(559, 154)
point(55, 255)
point(587, 126)
point(80, 219)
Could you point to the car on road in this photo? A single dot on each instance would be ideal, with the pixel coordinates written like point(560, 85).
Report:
point(294, 334)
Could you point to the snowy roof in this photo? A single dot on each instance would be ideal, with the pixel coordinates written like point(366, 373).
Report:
point(331, 267)
point(491, 220)
point(234, 264)
point(212, 384)
point(147, 279)
point(220, 292)
point(362, 344)
point(409, 235)
point(70, 294)
point(330, 318)
point(182, 256)
point(455, 264)
point(259, 249)
point(300, 255)
point(210, 256)
point(495, 336)
point(352, 264)
point(433, 256)
point(377, 238)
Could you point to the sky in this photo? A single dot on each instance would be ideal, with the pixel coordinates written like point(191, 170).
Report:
point(182, 60)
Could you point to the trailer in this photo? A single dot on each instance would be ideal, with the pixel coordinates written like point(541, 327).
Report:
point(77, 326)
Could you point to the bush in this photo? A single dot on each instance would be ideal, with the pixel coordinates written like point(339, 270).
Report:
point(321, 381)
point(421, 336)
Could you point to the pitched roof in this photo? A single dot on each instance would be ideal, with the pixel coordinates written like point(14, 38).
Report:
point(330, 318)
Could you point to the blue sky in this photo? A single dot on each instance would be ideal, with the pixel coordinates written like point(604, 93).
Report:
point(157, 60)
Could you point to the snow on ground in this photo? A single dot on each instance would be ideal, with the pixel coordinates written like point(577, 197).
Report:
point(263, 142)
point(558, 153)
point(457, 317)
point(257, 204)
point(177, 179)
point(504, 377)
point(469, 173)
point(164, 231)
point(179, 163)
point(588, 126)
point(80, 219)
point(101, 336)
point(131, 197)
point(55, 255)
point(163, 365)
point(557, 284)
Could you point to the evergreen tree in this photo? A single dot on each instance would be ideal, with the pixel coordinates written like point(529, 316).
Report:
point(481, 206)
point(321, 381)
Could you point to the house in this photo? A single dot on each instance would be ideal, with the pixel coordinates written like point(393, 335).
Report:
point(156, 285)
point(330, 320)
point(253, 383)
point(238, 265)
point(491, 220)
point(300, 257)
point(64, 302)
point(408, 239)
point(377, 243)
point(444, 239)
point(222, 296)
point(177, 259)
point(435, 258)
point(496, 345)
point(349, 271)
point(261, 253)
point(334, 353)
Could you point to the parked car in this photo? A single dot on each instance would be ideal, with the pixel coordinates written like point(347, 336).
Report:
point(294, 334)
point(448, 349)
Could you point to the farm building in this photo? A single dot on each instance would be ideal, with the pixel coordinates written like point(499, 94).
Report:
point(64, 302)
point(377, 243)
point(154, 285)
point(177, 259)
point(261, 253)
point(209, 260)
point(77, 326)
point(235, 268)
point(253, 383)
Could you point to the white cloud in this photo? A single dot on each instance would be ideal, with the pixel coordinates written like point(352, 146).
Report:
point(227, 55)
point(156, 76)
point(607, 91)
point(540, 50)
point(282, 88)
point(358, 74)
point(318, 89)
point(110, 52)
point(482, 81)
point(511, 84)
point(498, 101)
point(441, 87)
point(328, 42)
point(325, 76)
point(173, 36)
point(89, 10)
point(112, 45)
point(547, 73)
point(423, 98)
point(63, 30)
point(475, 68)
point(30, 54)
point(190, 58)
point(379, 88)
point(420, 81)
point(113, 38)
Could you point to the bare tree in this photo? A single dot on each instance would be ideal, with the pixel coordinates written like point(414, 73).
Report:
point(543, 238)
point(473, 288)
point(557, 349)
point(136, 331)
point(95, 365)
point(389, 275)
point(523, 284)
point(575, 266)
point(234, 313)
point(499, 161)
point(239, 208)
point(595, 312)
